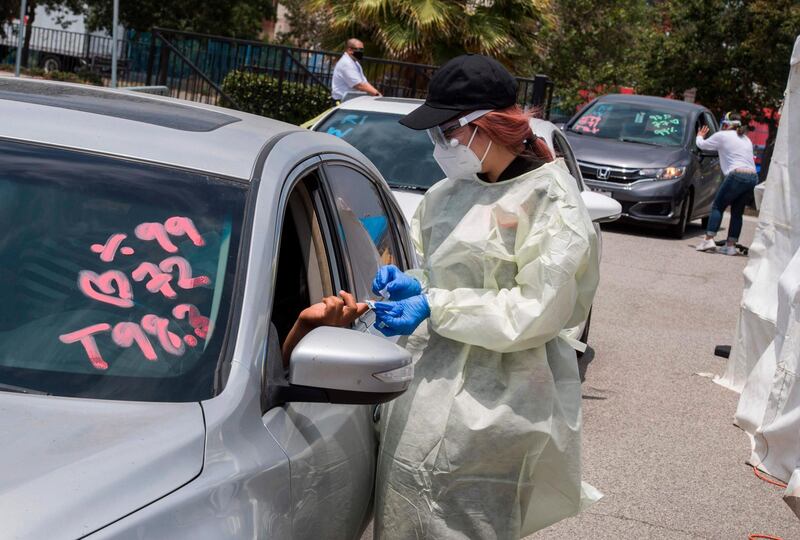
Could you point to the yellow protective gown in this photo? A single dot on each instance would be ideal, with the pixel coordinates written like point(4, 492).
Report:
point(486, 443)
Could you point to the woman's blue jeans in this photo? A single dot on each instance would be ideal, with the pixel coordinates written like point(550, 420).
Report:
point(735, 191)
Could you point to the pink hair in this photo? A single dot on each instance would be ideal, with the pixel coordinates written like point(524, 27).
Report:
point(511, 128)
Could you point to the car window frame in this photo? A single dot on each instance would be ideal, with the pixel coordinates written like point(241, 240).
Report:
point(711, 122)
point(400, 238)
point(298, 173)
point(296, 176)
point(569, 157)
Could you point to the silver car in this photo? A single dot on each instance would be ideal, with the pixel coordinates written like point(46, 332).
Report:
point(154, 255)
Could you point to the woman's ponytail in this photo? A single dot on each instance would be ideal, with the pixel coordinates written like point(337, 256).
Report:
point(511, 128)
point(741, 130)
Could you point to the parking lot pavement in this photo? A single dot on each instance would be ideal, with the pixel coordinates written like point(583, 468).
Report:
point(658, 438)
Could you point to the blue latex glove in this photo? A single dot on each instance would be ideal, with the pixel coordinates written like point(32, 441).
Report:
point(401, 318)
point(392, 283)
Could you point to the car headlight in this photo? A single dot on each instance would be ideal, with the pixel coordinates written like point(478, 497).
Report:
point(667, 173)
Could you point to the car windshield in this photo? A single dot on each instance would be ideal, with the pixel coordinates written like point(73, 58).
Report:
point(631, 122)
point(116, 276)
point(402, 155)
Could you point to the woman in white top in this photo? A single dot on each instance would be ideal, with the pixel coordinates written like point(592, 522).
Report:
point(736, 160)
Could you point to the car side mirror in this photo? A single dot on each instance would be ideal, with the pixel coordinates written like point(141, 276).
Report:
point(602, 209)
point(339, 365)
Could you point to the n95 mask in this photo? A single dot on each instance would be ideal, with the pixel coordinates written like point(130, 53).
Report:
point(458, 161)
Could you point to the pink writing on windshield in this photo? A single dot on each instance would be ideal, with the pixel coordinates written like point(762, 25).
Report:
point(588, 123)
point(114, 288)
point(159, 327)
point(159, 281)
point(175, 226)
point(179, 226)
point(185, 279)
point(126, 334)
point(86, 337)
point(157, 232)
point(197, 321)
point(102, 287)
point(108, 250)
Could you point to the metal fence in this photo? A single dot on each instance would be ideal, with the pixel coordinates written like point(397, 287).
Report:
point(63, 50)
point(193, 66)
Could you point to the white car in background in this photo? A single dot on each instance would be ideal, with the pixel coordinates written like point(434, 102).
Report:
point(405, 157)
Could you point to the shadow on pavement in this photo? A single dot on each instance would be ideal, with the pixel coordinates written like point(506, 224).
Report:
point(693, 230)
point(584, 361)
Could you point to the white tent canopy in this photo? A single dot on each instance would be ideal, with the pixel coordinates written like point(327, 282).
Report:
point(766, 363)
point(776, 240)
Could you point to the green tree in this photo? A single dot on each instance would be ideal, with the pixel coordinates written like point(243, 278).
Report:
point(433, 31)
point(597, 46)
point(307, 25)
point(235, 18)
point(768, 30)
point(736, 54)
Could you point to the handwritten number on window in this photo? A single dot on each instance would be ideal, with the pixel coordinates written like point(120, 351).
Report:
point(113, 287)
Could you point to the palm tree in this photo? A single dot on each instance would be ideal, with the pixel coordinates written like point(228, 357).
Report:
point(432, 31)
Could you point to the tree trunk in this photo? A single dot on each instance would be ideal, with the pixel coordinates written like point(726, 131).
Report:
point(31, 13)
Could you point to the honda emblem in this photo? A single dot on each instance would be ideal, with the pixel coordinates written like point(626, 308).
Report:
point(603, 173)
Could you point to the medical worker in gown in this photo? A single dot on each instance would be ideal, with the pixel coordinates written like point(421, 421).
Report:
point(486, 443)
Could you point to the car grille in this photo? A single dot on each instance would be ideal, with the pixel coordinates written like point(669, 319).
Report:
point(615, 175)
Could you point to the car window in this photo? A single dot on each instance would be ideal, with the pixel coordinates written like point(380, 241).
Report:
point(710, 122)
point(632, 122)
point(389, 145)
point(365, 227)
point(563, 150)
point(117, 276)
point(304, 273)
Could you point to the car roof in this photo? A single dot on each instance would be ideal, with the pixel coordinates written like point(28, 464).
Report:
point(683, 106)
point(381, 104)
point(135, 125)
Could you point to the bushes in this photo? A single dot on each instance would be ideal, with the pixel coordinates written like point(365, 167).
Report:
point(258, 94)
point(83, 75)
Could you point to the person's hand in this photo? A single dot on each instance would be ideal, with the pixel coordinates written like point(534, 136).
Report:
point(703, 131)
point(401, 318)
point(339, 311)
point(397, 284)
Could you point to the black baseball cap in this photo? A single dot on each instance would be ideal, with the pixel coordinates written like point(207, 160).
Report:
point(466, 83)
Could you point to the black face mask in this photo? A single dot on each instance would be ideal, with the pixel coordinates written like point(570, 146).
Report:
point(358, 54)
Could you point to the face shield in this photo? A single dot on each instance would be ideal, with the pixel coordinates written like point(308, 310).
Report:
point(441, 136)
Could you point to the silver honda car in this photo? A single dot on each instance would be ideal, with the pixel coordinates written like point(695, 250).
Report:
point(154, 254)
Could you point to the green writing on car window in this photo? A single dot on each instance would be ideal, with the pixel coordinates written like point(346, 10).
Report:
point(346, 125)
point(664, 124)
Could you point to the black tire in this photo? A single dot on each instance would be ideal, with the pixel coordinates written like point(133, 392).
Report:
point(51, 63)
point(585, 334)
point(679, 229)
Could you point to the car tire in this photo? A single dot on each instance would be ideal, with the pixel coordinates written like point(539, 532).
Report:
point(51, 63)
point(679, 229)
point(585, 334)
